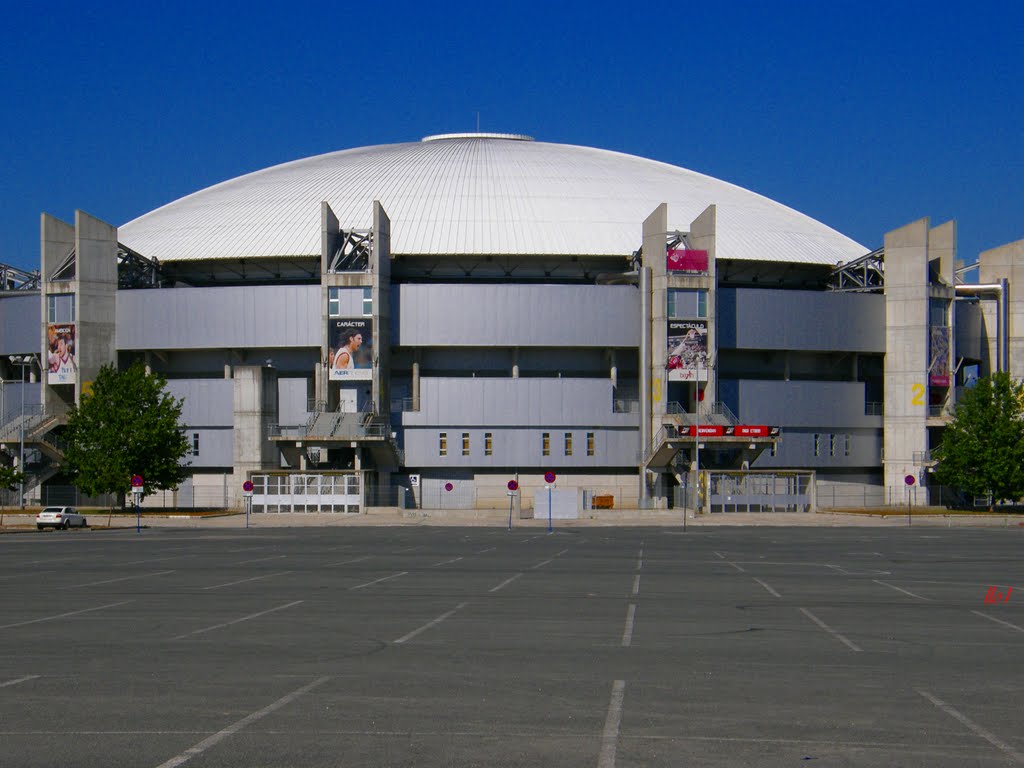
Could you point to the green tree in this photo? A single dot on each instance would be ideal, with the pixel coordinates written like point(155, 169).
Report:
point(9, 478)
point(128, 425)
point(982, 449)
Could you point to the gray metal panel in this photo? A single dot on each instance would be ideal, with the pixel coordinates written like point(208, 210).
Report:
point(20, 325)
point(516, 402)
point(521, 448)
point(796, 449)
point(292, 401)
point(820, 405)
point(216, 447)
point(11, 393)
point(970, 330)
point(236, 316)
point(517, 315)
point(751, 318)
point(208, 402)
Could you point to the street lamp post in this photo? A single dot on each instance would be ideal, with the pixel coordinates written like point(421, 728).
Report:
point(24, 361)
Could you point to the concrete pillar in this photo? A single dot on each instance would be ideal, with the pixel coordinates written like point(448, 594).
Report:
point(255, 409)
point(907, 342)
point(1007, 262)
point(416, 382)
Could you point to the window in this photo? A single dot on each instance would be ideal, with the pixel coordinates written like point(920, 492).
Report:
point(367, 302)
point(817, 445)
point(465, 443)
point(774, 449)
point(846, 445)
point(488, 444)
point(195, 443)
point(545, 444)
point(334, 302)
point(442, 444)
point(60, 308)
point(568, 443)
point(831, 445)
point(590, 443)
point(681, 304)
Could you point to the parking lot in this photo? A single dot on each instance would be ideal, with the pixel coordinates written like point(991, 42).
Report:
point(449, 646)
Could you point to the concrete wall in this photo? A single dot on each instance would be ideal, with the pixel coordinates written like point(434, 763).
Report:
point(516, 315)
point(96, 286)
point(1007, 261)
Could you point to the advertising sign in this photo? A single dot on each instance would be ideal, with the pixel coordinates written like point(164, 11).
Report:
point(350, 348)
point(687, 350)
point(938, 371)
point(687, 260)
point(62, 366)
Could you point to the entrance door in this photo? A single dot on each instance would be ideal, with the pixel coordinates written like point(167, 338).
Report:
point(347, 400)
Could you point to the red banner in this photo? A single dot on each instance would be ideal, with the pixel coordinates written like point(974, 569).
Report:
point(686, 260)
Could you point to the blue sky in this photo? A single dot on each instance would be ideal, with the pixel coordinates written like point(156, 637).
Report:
point(863, 115)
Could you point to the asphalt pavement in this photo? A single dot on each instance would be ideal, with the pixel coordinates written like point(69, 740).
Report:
point(423, 645)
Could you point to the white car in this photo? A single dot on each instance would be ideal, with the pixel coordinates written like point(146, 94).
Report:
point(59, 517)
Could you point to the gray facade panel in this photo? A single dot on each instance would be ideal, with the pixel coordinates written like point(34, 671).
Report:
point(208, 402)
point(517, 315)
point(236, 316)
point(516, 402)
point(812, 404)
point(971, 333)
point(20, 325)
point(11, 393)
point(837, 448)
point(813, 321)
point(216, 448)
point(521, 448)
point(293, 401)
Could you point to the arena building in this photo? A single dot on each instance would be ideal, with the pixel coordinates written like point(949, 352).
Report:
point(422, 324)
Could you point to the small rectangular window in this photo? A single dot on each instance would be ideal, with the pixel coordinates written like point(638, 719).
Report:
point(488, 444)
point(334, 302)
point(774, 450)
point(545, 444)
point(195, 443)
point(702, 303)
point(60, 308)
point(817, 445)
point(442, 444)
point(568, 443)
point(590, 443)
point(831, 445)
point(846, 445)
point(367, 302)
point(465, 443)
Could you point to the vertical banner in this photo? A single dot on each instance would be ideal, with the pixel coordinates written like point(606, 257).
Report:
point(687, 350)
point(62, 367)
point(938, 370)
point(350, 348)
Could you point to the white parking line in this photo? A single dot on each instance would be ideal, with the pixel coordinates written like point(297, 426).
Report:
point(505, 582)
point(24, 679)
point(121, 578)
point(541, 564)
point(351, 560)
point(610, 736)
point(900, 589)
point(429, 624)
point(627, 633)
point(63, 615)
point(737, 567)
point(258, 559)
point(848, 643)
point(489, 549)
point(975, 728)
point(378, 581)
point(234, 728)
point(636, 584)
point(770, 590)
point(999, 621)
point(445, 562)
point(237, 621)
point(243, 581)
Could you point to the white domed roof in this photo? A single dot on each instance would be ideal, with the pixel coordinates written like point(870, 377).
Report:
point(476, 194)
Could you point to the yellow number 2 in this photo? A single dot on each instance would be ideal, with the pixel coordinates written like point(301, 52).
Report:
point(917, 396)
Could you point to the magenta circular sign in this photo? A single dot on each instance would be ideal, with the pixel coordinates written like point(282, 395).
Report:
point(549, 477)
point(449, 487)
point(247, 486)
point(513, 485)
point(909, 480)
point(137, 481)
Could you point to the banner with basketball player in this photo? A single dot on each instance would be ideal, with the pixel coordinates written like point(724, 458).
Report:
point(62, 368)
point(350, 349)
point(687, 350)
